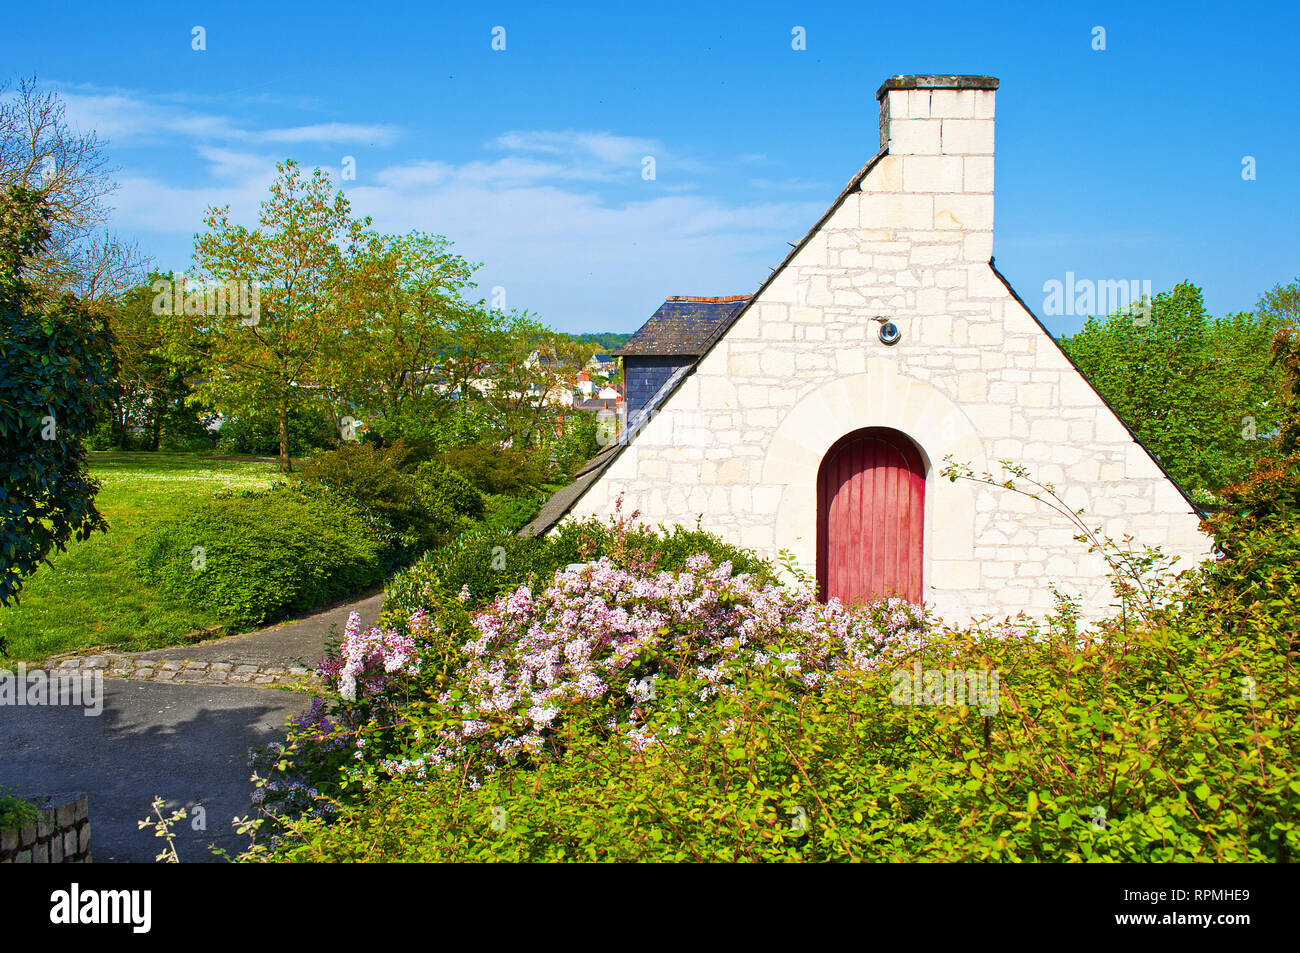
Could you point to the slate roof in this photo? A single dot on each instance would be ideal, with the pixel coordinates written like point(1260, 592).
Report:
point(684, 324)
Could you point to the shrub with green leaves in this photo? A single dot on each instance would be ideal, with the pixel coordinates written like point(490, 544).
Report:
point(449, 490)
point(510, 514)
point(16, 812)
point(484, 561)
point(633, 545)
point(252, 557)
point(425, 504)
point(1176, 743)
point(495, 469)
point(308, 429)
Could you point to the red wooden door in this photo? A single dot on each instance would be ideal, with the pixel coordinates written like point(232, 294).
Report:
point(871, 517)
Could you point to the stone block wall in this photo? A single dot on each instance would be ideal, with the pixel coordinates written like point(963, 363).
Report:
point(974, 377)
point(59, 835)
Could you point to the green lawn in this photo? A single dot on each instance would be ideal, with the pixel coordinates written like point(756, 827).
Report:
point(91, 596)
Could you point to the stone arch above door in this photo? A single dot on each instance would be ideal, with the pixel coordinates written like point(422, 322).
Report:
point(879, 398)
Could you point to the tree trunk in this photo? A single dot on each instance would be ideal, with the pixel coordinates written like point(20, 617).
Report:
point(285, 465)
point(158, 407)
point(119, 418)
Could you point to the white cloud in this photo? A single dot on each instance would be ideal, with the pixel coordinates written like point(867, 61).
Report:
point(604, 146)
point(128, 120)
point(562, 219)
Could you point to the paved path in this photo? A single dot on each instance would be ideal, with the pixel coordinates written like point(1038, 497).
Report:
point(174, 724)
point(186, 743)
point(288, 652)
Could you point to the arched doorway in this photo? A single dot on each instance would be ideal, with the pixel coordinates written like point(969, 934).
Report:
point(871, 517)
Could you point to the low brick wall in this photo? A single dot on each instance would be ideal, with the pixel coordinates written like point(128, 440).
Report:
point(59, 835)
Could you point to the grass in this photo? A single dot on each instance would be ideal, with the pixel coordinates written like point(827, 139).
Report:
point(91, 597)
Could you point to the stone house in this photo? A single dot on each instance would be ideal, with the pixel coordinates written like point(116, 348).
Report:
point(815, 415)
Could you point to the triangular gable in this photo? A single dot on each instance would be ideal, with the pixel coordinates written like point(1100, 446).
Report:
point(961, 372)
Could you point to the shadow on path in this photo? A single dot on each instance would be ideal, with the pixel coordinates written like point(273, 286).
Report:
point(186, 743)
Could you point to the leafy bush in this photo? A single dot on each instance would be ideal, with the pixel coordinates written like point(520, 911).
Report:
point(494, 469)
point(16, 812)
point(1172, 743)
point(510, 514)
point(484, 561)
point(254, 556)
point(450, 491)
point(174, 442)
point(185, 430)
point(427, 424)
point(423, 507)
point(635, 546)
point(102, 437)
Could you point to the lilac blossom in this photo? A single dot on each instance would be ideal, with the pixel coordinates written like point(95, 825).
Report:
point(606, 630)
point(366, 662)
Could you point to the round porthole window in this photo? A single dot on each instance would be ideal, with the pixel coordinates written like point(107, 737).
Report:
point(889, 333)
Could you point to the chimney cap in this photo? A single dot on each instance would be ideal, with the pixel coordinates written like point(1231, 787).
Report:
point(931, 81)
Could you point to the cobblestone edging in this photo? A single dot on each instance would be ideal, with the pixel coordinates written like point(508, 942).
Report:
point(59, 835)
point(184, 671)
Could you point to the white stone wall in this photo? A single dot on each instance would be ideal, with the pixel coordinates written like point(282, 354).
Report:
point(974, 377)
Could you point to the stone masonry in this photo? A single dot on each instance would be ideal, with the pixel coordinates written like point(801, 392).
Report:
point(974, 376)
point(187, 671)
point(59, 835)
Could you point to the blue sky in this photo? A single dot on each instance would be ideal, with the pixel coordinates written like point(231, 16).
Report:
point(1116, 164)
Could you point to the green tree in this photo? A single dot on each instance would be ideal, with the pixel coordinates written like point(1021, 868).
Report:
point(1200, 393)
point(269, 361)
point(151, 388)
point(530, 371)
point(56, 366)
point(1282, 305)
point(405, 337)
point(1258, 530)
point(603, 340)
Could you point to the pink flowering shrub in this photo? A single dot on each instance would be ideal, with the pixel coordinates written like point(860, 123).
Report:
point(365, 663)
point(606, 633)
point(329, 747)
